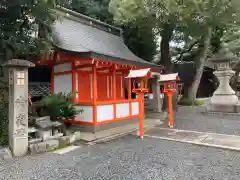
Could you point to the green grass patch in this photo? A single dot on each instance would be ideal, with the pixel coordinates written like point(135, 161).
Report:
point(58, 148)
point(187, 102)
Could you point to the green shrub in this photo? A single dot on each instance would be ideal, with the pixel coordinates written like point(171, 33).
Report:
point(198, 102)
point(187, 102)
point(60, 105)
point(3, 123)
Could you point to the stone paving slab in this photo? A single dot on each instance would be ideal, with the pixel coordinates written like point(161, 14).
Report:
point(224, 141)
point(192, 119)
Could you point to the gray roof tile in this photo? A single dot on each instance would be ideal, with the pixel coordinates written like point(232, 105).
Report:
point(73, 34)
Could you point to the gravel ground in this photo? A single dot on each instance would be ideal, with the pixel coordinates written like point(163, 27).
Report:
point(191, 118)
point(128, 158)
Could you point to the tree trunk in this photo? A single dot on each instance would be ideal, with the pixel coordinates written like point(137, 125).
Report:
point(166, 35)
point(200, 63)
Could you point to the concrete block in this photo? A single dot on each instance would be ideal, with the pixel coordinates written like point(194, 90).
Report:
point(64, 141)
point(72, 138)
point(37, 148)
point(44, 134)
point(5, 154)
point(77, 136)
point(52, 144)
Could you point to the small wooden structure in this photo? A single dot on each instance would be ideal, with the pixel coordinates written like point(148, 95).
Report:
point(141, 76)
point(170, 87)
point(92, 61)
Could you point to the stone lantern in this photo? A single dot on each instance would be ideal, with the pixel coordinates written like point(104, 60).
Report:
point(224, 98)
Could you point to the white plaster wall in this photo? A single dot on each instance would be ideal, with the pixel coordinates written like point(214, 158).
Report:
point(135, 108)
point(62, 67)
point(63, 83)
point(122, 110)
point(86, 115)
point(105, 112)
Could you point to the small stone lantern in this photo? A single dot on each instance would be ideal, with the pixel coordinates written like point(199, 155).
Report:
point(224, 98)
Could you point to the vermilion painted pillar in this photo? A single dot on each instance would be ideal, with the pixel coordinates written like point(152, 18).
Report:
point(141, 114)
point(114, 90)
point(74, 86)
point(130, 96)
point(170, 109)
point(94, 90)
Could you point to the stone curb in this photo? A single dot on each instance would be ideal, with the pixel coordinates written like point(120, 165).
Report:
point(196, 143)
point(5, 153)
point(209, 113)
point(106, 139)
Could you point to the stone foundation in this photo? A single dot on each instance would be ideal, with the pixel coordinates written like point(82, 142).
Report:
point(227, 108)
point(101, 127)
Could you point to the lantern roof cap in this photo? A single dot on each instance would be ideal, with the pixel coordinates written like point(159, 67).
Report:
point(169, 77)
point(223, 55)
point(138, 73)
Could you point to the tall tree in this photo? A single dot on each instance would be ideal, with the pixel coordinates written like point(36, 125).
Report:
point(211, 17)
point(166, 16)
point(191, 18)
point(19, 22)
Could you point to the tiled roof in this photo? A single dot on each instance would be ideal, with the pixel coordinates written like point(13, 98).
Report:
point(77, 33)
point(38, 89)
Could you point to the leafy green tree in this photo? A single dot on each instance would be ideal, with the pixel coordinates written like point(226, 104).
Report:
point(188, 19)
point(20, 35)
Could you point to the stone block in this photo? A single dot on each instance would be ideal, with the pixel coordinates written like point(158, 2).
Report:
point(52, 144)
point(5, 154)
point(44, 134)
point(44, 122)
point(64, 141)
point(72, 138)
point(57, 124)
point(77, 135)
point(37, 148)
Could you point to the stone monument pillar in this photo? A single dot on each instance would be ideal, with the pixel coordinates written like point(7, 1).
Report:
point(224, 98)
point(18, 105)
point(156, 95)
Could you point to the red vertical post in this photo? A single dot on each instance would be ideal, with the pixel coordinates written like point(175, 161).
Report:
point(130, 96)
point(74, 85)
point(94, 89)
point(114, 87)
point(141, 109)
point(141, 114)
point(129, 89)
point(170, 109)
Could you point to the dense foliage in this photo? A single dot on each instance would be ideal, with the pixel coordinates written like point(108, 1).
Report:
point(3, 123)
point(60, 106)
point(196, 25)
point(20, 35)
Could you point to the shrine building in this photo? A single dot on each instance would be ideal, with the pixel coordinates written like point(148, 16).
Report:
point(91, 60)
